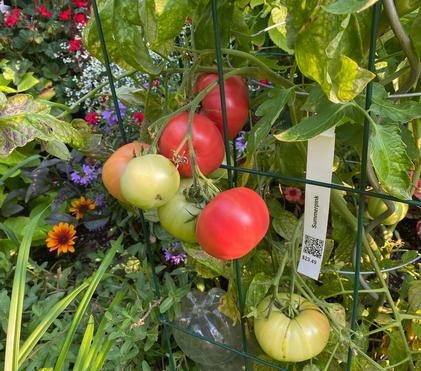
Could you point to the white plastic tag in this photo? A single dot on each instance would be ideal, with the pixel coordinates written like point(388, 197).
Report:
point(320, 154)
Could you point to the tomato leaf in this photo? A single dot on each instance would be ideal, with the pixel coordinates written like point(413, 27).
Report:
point(348, 6)
point(395, 112)
point(414, 296)
point(256, 292)
point(278, 34)
point(90, 37)
point(397, 351)
point(321, 42)
point(207, 266)
point(327, 116)
point(229, 302)
point(269, 111)
point(129, 38)
point(284, 224)
point(203, 34)
point(391, 166)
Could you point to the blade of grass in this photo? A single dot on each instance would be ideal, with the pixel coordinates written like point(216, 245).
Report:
point(100, 359)
point(46, 322)
point(13, 169)
point(99, 335)
point(16, 301)
point(85, 345)
point(85, 302)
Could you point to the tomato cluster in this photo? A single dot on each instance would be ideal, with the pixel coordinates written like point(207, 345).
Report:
point(234, 221)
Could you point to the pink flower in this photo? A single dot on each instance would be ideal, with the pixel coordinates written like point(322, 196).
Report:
point(293, 194)
point(65, 15)
point(42, 10)
point(419, 228)
point(80, 3)
point(12, 19)
point(138, 118)
point(91, 118)
point(74, 44)
point(155, 83)
point(80, 19)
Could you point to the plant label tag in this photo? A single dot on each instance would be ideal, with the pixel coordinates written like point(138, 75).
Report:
point(320, 152)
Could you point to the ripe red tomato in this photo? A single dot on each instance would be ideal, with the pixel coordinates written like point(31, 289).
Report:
point(236, 100)
point(233, 223)
point(116, 164)
point(206, 139)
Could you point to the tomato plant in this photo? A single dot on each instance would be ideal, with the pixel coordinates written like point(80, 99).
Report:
point(236, 101)
point(149, 181)
point(178, 216)
point(233, 223)
point(377, 207)
point(206, 140)
point(291, 339)
point(116, 164)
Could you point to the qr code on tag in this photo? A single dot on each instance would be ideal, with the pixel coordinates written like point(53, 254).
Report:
point(313, 246)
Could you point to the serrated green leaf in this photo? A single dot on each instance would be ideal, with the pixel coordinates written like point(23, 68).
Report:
point(269, 111)
point(348, 6)
point(391, 166)
point(229, 302)
point(411, 147)
point(278, 35)
point(395, 112)
point(327, 47)
point(284, 224)
point(327, 116)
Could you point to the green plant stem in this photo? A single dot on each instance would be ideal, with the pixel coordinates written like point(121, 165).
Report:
point(278, 276)
point(350, 292)
point(406, 44)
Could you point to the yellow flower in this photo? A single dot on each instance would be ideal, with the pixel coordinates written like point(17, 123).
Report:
point(61, 238)
point(81, 206)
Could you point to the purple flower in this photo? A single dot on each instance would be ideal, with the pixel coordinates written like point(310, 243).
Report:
point(175, 254)
point(100, 200)
point(111, 117)
point(240, 142)
point(85, 177)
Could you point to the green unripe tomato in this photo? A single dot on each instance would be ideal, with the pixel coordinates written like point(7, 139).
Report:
point(149, 181)
point(178, 216)
point(291, 339)
point(376, 206)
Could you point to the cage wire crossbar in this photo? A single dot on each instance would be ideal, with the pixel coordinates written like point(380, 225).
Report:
point(233, 169)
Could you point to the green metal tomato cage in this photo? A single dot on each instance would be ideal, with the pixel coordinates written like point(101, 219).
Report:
point(232, 170)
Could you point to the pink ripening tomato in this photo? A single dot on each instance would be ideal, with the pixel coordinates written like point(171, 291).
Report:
point(206, 139)
point(236, 101)
point(233, 223)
